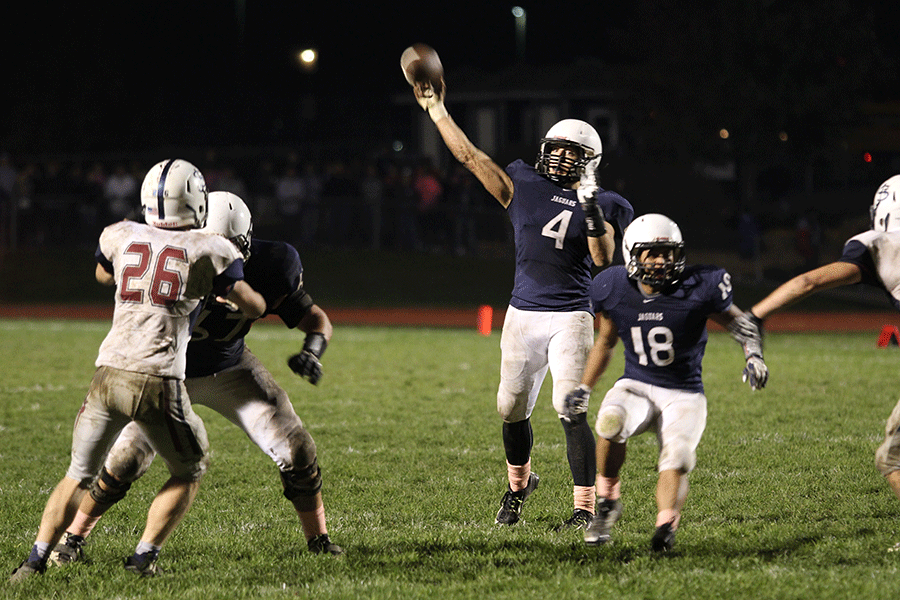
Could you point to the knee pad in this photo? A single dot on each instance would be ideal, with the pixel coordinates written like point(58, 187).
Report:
point(129, 463)
point(302, 482)
point(610, 422)
point(512, 407)
point(300, 448)
point(112, 491)
point(677, 455)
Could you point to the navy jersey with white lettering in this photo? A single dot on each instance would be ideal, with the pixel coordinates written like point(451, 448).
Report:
point(877, 254)
point(553, 263)
point(664, 335)
point(217, 341)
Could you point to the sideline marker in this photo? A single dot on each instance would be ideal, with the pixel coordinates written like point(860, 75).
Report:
point(485, 319)
point(889, 335)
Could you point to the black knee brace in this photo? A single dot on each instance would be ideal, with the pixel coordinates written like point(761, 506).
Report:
point(303, 482)
point(114, 491)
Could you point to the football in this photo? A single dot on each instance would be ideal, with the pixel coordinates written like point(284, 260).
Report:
point(421, 64)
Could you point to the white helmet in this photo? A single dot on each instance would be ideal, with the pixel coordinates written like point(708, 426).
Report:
point(230, 217)
point(653, 231)
point(173, 195)
point(885, 211)
point(572, 134)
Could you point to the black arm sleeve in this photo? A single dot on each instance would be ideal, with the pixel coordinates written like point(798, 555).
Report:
point(294, 307)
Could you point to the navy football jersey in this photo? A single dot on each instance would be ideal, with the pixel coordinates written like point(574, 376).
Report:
point(553, 263)
point(664, 335)
point(217, 341)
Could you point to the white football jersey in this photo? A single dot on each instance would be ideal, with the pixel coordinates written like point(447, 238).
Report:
point(884, 247)
point(161, 276)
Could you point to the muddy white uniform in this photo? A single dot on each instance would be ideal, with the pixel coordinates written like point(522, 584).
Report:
point(161, 276)
point(877, 254)
point(224, 375)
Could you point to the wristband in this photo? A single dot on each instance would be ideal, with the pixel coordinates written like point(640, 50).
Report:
point(315, 344)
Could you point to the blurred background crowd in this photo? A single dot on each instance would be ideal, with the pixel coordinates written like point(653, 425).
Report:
point(377, 203)
point(762, 128)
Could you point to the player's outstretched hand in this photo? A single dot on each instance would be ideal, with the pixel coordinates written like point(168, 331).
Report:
point(576, 402)
point(756, 372)
point(306, 365)
point(588, 187)
point(431, 98)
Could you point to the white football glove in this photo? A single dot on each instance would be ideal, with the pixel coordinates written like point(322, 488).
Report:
point(588, 187)
point(576, 402)
point(755, 372)
point(589, 184)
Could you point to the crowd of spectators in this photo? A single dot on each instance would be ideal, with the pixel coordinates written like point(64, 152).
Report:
point(404, 204)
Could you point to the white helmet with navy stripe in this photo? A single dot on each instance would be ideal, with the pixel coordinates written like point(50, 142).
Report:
point(230, 217)
point(174, 196)
point(885, 211)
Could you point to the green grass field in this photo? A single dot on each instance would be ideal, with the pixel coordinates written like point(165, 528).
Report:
point(785, 501)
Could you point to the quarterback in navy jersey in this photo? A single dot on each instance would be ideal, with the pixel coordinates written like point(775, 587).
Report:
point(564, 226)
point(224, 375)
point(872, 258)
point(658, 307)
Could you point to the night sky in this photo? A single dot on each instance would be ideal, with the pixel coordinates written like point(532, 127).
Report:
point(142, 74)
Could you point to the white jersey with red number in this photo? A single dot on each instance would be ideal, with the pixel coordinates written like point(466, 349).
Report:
point(161, 276)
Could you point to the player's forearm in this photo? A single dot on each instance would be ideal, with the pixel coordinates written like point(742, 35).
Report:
point(492, 177)
point(804, 285)
point(597, 362)
point(602, 248)
point(316, 321)
point(248, 300)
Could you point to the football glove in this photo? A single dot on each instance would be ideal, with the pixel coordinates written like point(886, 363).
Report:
point(747, 330)
point(576, 402)
point(755, 372)
point(587, 197)
point(306, 363)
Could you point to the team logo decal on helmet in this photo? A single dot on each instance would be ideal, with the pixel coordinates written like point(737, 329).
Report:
point(885, 209)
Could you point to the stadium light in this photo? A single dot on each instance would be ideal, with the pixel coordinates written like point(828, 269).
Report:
point(308, 59)
point(520, 16)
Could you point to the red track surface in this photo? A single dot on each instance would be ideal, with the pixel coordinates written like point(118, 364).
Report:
point(440, 317)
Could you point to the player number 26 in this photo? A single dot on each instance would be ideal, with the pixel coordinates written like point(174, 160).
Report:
point(165, 283)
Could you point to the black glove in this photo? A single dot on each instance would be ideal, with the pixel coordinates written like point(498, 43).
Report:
point(306, 364)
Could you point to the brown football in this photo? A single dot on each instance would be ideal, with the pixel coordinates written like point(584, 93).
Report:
point(421, 64)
